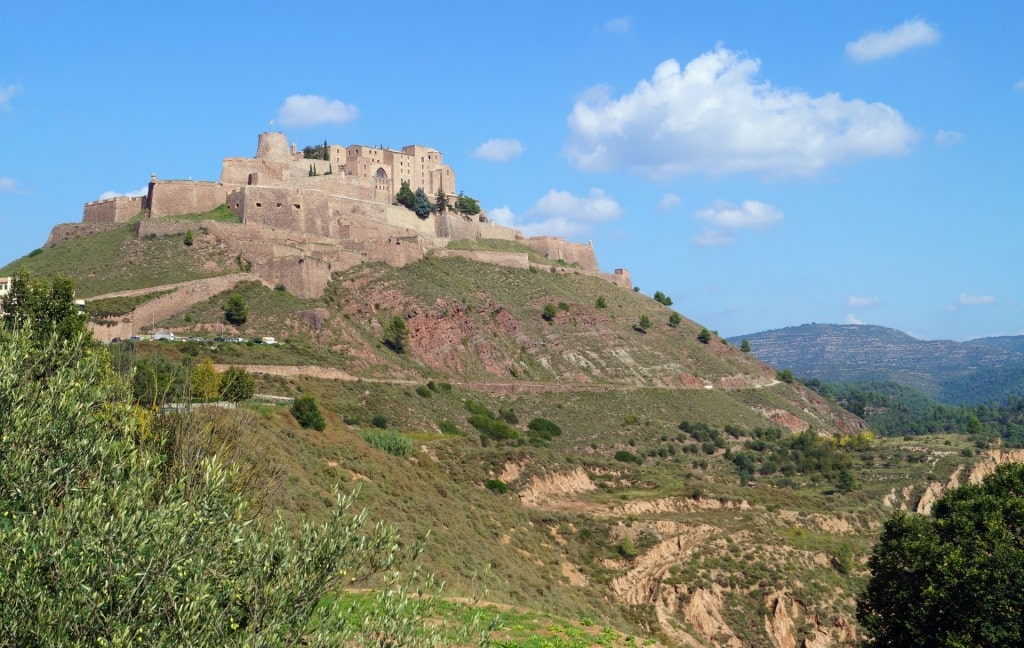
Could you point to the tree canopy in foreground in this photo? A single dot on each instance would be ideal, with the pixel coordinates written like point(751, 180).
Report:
point(117, 528)
point(952, 579)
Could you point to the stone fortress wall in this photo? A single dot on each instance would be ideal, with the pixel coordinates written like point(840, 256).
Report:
point(297, 228)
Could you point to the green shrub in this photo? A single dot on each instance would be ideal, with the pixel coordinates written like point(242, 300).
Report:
point(390, 441)
point(543, 428)
point(236, 385)
point(493, 428)
point(447, 427)
point(508, 415)
point(627, 550)
point(601, 302)
point(496, 486)
point(549, 313)
point(307, 413)
point(626, 456)
point(379, 421)
point(424, 391)
point(479, 409)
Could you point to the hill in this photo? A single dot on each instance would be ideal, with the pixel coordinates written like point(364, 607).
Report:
point(564, 458)
point(972, 372)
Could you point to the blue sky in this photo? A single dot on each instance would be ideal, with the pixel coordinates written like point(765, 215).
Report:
point(765, 166)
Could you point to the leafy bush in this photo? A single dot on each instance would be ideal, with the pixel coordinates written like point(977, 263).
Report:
point(496, 486)
point(379, 421)
point(626, 456)
point(447, 427)
point(424, 391)
point(307, 412)
point(493, 428)
point(543, 428)
point(475, 407)
point(396, 334)
point(390, 441)
point(236, 385)
point(704, 336)
point(508, 415)
point(549, 313)
point(674, 320)
point(601, 302)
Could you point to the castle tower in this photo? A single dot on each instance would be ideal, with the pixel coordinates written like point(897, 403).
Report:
point(273, 147)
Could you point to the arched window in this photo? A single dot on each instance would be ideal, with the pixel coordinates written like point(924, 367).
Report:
point(381, 173)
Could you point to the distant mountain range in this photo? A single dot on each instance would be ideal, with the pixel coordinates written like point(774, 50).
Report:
point(979, 371)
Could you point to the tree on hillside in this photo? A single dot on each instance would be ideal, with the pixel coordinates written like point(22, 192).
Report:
point(422, 205)
point(236, 311)
point(644, 323)
point(704, 336)
point(307, 412)
point(236, 385)
point(205, 381)
point(674, 320)
point(952, 579)
point(396, 334)
point(662, 298)
point(745, 345)
point(405, 196)
point(549, 313)
point(48, 305)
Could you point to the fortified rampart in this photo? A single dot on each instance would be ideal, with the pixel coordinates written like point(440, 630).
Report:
point(113, 210)
point(302, 219)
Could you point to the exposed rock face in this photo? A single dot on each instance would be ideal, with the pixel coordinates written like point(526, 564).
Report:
point(543, 487)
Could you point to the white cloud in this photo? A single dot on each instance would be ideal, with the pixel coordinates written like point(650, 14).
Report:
point(668, 201)
point(6, 94)
point(560, 213)
point(8, 185)
point(114, 194)
point(883, 44)
point(715, 116)
point(499, 150)
point(752, 214)
point(852, 319)
point(975, 300)
point(618, 25)
point(853, 301)
point(1019, 86)
point(312, 110)
point(709, 237)
point(948, 137)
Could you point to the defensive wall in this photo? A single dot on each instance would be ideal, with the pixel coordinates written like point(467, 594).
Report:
point(302, 219)
point(68, 231)
point(113, 210)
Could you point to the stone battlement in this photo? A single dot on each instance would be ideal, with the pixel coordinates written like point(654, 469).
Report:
point(304, 218)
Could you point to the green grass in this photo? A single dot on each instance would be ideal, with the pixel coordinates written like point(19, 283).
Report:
point(220, 214)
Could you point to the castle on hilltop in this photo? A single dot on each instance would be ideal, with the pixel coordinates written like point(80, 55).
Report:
point(302, 218)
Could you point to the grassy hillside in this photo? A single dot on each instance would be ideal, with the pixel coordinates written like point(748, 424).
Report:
point(679, 492)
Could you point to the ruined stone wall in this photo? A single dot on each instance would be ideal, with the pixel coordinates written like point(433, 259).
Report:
point(457, 227)
point(175, 197)
point(395, 252)
point(302, 276)
point(162, 227)
point(113, 210)
point(519, 260)
point(399, 216)
point(558, 249)
point(68, 231)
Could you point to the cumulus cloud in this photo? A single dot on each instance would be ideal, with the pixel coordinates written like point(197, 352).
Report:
point(668, 201)
point(6, 94)
point(561, 213)
point(883, 44)
point(312, 110)
point(948, 137)
point(852, 319)
point(114, 194)
point(976, 300)
point(751, 214)
point(853, 301)
point(618, 25)
point(715, 116)
point(499, 150)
